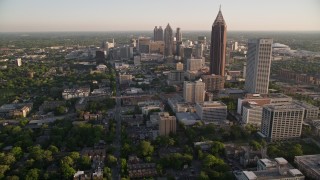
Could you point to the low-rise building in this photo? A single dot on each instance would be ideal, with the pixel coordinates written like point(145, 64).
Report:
point(309, 165)
point(311, 111)
point(187, 118)
point(252, 114)
point(15, 110)
point(142, 170)
point(50, 105)
point(212, 111)
point(277, 169)
point(75, 93)
point(125, 78)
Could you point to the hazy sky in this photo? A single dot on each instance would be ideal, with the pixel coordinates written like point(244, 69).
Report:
point(127, 15)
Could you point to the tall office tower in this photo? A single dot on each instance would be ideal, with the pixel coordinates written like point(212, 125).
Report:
point(282, 122)
point(100, 57)
point(199, 50)
point(199, 91)
point(194, 92)
point(213, 82)
point(179, 66)
point(106, 45)
point(175, 77)
point(178, 35)
point(218, 46)
point(167, 124)
point(187, 53)
point(202, 40)
point(178, 42)
point(133, 42)
point(168, 41)
point(194, 64)
point(155, 33)
point(144, 44)
point(258, 65)
point(158, 34)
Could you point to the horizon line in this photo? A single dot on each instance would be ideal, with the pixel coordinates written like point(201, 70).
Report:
point(152, 32)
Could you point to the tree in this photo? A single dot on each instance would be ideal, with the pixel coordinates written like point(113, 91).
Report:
point(67, 171)
point(217, 148)
point(74, 156)
point(60, 110)
point(210, 161)
point(53, 149)
point(84, 162)
point(17, 152)
point(67, 160)
point(7, 159)
point(255, 145)
point(3, 170)
point(123, 165)
point(36, 152)
point(203, 176)
point(107, 173)
point(145, 148)
point(33, 174)
point(112, 160)
point(12, 177)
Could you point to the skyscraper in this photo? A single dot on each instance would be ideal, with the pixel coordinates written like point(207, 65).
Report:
point(194, 92)
point(178, 42)
point(218, 46)
point(167, 124)
point(178, 35)
point(168, 41)
point(258, 65)
point(282, 122)
point(158, 34)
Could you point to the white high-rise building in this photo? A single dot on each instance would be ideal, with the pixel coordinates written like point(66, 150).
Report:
point(194, 92)
point(282, 122)
point(258, 65)
point(18, 62)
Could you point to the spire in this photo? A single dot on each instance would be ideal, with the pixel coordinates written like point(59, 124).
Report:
point(219, 18)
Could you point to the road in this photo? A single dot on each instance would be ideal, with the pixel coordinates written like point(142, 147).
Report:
point(117, 139)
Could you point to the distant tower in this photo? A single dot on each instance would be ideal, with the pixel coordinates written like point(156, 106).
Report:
point(178, 35)
point(158, 34)
point(155, 31)
point(258, 65)
point(168, 41)
point(178, 41)
point(218, 46)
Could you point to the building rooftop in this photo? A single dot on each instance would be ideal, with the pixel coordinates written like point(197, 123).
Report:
point(282, 107)
point(250, 175)
point(211, 104)
point(281, 160)
point(278, 95)
point(306, 105)
point(312, 162)
point(268, 163)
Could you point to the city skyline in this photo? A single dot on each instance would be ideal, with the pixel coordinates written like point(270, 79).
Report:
point(141, 15)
